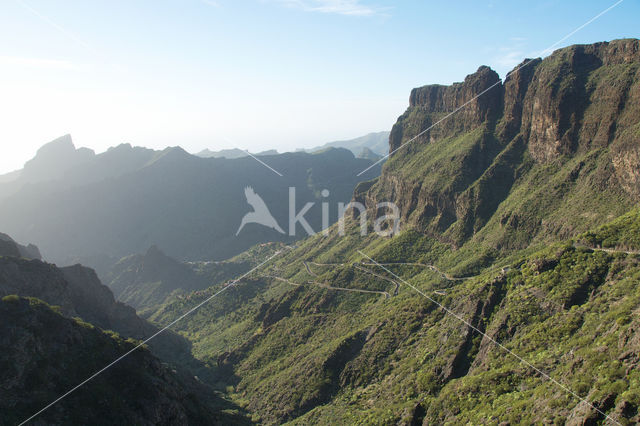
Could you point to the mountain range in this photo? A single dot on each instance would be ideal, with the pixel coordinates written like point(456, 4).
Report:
point(231, 153)
point(372, 144)
point(121, 202)
point(508, 294)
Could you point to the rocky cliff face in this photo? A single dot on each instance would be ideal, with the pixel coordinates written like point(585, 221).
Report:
point(581, 98)
point(44, 355)
point(572, 116)
point(430, 104)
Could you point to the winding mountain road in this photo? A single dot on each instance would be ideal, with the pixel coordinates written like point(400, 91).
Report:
point(361, 267)
point(329, 287)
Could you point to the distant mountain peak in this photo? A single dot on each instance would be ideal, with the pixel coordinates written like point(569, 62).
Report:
point(377, 142)
point(121, 147)
point(54, 158)
point(368, 154)
point(224, 153)
point(62, 144)
point(155, 252)
point(170, 155)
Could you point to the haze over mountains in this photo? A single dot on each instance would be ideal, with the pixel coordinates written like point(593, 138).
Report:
point(510, 294)
point(372, 145)
point(81, 206)
point(377, 143)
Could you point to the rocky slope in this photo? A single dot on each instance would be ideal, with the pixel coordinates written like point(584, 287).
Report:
point(495, 203)
point(8, 247)
point(45, 354)
point(527, 159)
point(78, 292)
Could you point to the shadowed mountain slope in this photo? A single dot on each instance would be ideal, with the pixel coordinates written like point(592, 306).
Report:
point(505, 206)
point(128, 199)
point(45, 354)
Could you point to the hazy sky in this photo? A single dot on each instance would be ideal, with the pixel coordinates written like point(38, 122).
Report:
point(254, 74)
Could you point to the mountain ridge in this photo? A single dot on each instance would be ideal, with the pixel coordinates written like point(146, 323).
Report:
point(504, 208)
point(172, 199)
point(503, 142)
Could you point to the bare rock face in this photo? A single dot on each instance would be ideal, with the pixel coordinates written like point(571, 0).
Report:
point(430, 104)
point(569, 123)
point(580, 97)
point(8, 247)
point(515, 89)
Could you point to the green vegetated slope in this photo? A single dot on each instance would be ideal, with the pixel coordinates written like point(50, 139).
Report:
point(309, 354)
point(502, 206)
point(46, 354)
point(146, 280)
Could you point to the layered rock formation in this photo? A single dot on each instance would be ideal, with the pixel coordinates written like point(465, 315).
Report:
point(573, 114)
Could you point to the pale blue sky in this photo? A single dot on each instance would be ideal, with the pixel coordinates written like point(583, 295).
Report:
point(254, 74)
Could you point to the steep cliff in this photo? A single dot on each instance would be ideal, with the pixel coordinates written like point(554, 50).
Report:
point(549, 152)
point(490, 306)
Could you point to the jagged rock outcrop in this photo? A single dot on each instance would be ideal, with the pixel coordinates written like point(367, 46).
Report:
point(429, 104)
point(572, 117)
point(33, 278)
point(53, 159)
point(8, 247)
point(580, 98)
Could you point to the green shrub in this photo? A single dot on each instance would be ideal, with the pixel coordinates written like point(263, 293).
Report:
point(11, 298)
